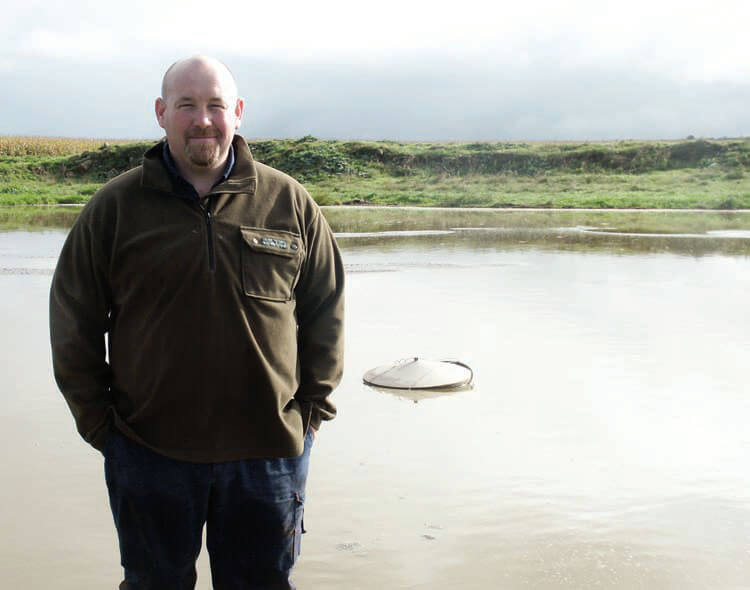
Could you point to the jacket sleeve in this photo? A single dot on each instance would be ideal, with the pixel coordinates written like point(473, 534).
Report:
point(79, 316)
point(320, 317)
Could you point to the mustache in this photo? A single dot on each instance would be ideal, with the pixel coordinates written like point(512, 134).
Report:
point(199, 132)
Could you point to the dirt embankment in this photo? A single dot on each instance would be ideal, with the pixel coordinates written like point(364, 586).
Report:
point(308, 157)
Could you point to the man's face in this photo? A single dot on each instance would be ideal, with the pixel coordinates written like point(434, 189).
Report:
point(199, 113)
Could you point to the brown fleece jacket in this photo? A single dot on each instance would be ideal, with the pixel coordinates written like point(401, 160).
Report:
point(224, 320)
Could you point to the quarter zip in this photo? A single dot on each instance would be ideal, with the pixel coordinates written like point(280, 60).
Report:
point(209, 233)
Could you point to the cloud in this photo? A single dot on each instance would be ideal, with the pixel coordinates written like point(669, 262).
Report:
point(92, 45)
point(696, 40)
point(416, 99)
point(458, 99)
point(7, 65)
point(396, 69)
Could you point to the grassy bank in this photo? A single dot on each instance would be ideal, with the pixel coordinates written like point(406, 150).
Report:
point(695, 174)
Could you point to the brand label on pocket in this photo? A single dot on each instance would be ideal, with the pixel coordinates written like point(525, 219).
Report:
point(274, 243)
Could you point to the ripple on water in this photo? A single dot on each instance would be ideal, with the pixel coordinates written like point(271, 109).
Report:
point(26, 271)
point(393, 233)
point(730, 233)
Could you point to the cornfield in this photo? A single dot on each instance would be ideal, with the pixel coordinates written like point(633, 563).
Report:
point(51, 146)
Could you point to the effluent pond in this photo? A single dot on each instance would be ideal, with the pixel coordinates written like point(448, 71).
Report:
point(604, 443)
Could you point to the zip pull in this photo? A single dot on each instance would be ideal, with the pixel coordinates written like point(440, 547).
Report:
point(209, 234)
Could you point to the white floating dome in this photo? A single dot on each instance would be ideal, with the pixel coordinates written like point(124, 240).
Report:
point(416, 373)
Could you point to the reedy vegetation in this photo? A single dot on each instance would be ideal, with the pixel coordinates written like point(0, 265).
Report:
point(629, 174)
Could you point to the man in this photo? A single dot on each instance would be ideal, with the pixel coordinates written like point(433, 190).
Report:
point(220, 288)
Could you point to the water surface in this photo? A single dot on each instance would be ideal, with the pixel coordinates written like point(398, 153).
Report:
point(604, 443)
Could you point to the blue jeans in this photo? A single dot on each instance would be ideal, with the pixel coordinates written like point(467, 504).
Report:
point(252, 510)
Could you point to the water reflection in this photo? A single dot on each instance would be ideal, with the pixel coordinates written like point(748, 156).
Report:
point(418, 395)
point(557, 238)
point(605, 443)
point(378, 219)
point(690, 233)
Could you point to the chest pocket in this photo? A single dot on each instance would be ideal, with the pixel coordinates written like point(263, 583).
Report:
point(271, 261)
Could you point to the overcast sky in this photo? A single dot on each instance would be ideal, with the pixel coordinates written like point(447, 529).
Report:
point(405, 70)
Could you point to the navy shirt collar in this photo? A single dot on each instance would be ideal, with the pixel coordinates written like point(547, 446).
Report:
point(182, 185)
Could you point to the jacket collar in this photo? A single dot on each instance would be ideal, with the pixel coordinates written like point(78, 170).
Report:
point(242, 178)
point(181, 184)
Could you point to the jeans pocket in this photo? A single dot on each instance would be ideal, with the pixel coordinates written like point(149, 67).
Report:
point(285, 552)
point(299, 517)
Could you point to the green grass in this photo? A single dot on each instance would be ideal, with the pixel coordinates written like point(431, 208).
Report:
point(602, 175)
point(674, 189)
point(368, 219)
point(35, 217)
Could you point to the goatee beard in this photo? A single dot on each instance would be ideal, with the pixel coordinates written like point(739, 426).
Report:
point(204, 155)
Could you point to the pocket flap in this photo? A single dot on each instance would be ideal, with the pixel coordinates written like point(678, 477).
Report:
point(271, 262)
point(279, 242)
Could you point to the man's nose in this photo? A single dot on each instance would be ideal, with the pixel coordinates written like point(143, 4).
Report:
point(203, 117)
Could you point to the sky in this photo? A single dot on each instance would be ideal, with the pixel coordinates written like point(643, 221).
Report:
point(408, 70)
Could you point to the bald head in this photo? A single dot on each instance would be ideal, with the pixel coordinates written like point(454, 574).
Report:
point(200, 112)
point(199, 65)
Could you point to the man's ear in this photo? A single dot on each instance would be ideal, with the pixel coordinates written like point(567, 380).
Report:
point(159, 107)
point(238, 110)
